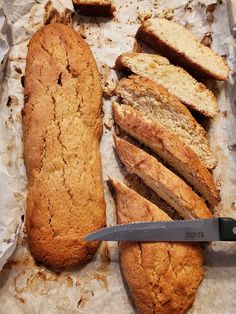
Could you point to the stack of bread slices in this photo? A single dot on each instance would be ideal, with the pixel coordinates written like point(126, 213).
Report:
point(153, 107)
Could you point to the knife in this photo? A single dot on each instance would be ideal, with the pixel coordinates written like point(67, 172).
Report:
point(200, 230)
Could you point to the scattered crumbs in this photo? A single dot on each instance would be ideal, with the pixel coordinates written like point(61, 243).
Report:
point(10, 147)
point(143, 16)
point(210, 18)
point(51, 15)
point(211, 7)
point(233, 206)
point(18, 117)
point(12, 101)
point(225, 113)
point(9, 121)
point(207, 40)
point(109, 87)
point(82, 30)
point(189, 26)
point(218, 181)
point(102, 278)
point(18, 70)
point(18, 196)
point(22, 80)
point(168, 13)
point(20, 299)
point(69, 281)
point(108, 124)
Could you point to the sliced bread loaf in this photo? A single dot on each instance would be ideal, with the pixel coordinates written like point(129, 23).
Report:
point(150, 268)
point(156, 103)
point(181, 46)
point(169, 147)
point(95, 7)
point(164, 182)
point(176, 80)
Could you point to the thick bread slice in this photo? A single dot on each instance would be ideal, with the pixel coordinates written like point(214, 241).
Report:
point(180, 45)
point(176, 80)
point(95, 7)
point(165, 183)
point(150, 268)
point(169, 147)
point(155, 102)
point(62, 126)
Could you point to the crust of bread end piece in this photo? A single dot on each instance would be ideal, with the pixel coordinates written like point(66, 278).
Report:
point(164, 182)
point(181, 46)
point(169, 147)
point(150, 268)
point(156, 103)
point(103, 8)
point(176, 80)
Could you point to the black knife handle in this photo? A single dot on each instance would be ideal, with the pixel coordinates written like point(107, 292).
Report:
point(227, 228)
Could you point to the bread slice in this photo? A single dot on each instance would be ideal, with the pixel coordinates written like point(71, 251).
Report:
point(169, 147)
point(150, 268)
point(165, 183)
point(156, 103)
point(180, 45)
point(176, 80)
point(104, 8)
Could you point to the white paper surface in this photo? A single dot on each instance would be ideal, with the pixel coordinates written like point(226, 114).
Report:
point(98, 287)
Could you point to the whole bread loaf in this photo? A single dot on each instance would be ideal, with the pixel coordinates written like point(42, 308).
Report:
point(62, 127)
point(156, 103)
point(162, 277)
point(180, 45)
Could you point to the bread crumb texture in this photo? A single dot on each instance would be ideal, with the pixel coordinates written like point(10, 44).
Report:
point(156, 103)
point(162, 277)
point(62, 127)
point(180, 45)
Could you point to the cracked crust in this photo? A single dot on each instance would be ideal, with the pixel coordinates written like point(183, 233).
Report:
point(162, 277)
point(62, 127)
point(169, 147)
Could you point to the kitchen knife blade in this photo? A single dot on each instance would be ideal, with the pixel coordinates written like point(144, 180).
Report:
point(199, 230)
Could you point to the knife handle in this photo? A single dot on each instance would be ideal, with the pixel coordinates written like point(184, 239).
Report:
point(227, 228)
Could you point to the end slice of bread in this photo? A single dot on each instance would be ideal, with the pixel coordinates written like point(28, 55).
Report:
point(104, 8)
point(150, 267)
point(156, 103)
point(176, 80)
point(169, 147)
point(165, 183)
point(181, 46)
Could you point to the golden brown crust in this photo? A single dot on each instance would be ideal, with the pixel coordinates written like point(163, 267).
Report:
point(150, 37)
point(153, 100)
point(169, 147)
point(162, 277)
point(95, 8)
point(164, 182)
point(62, 126)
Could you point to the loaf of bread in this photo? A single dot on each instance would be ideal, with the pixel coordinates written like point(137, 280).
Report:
point(169, 147)
point(61, 130)
point(162, 277)
point(176, 80)
point(164, 182)
point(180, 45)
point(155, 102)
point(104, 8)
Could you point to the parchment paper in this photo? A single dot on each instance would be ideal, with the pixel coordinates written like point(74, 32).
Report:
point(28, 287)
